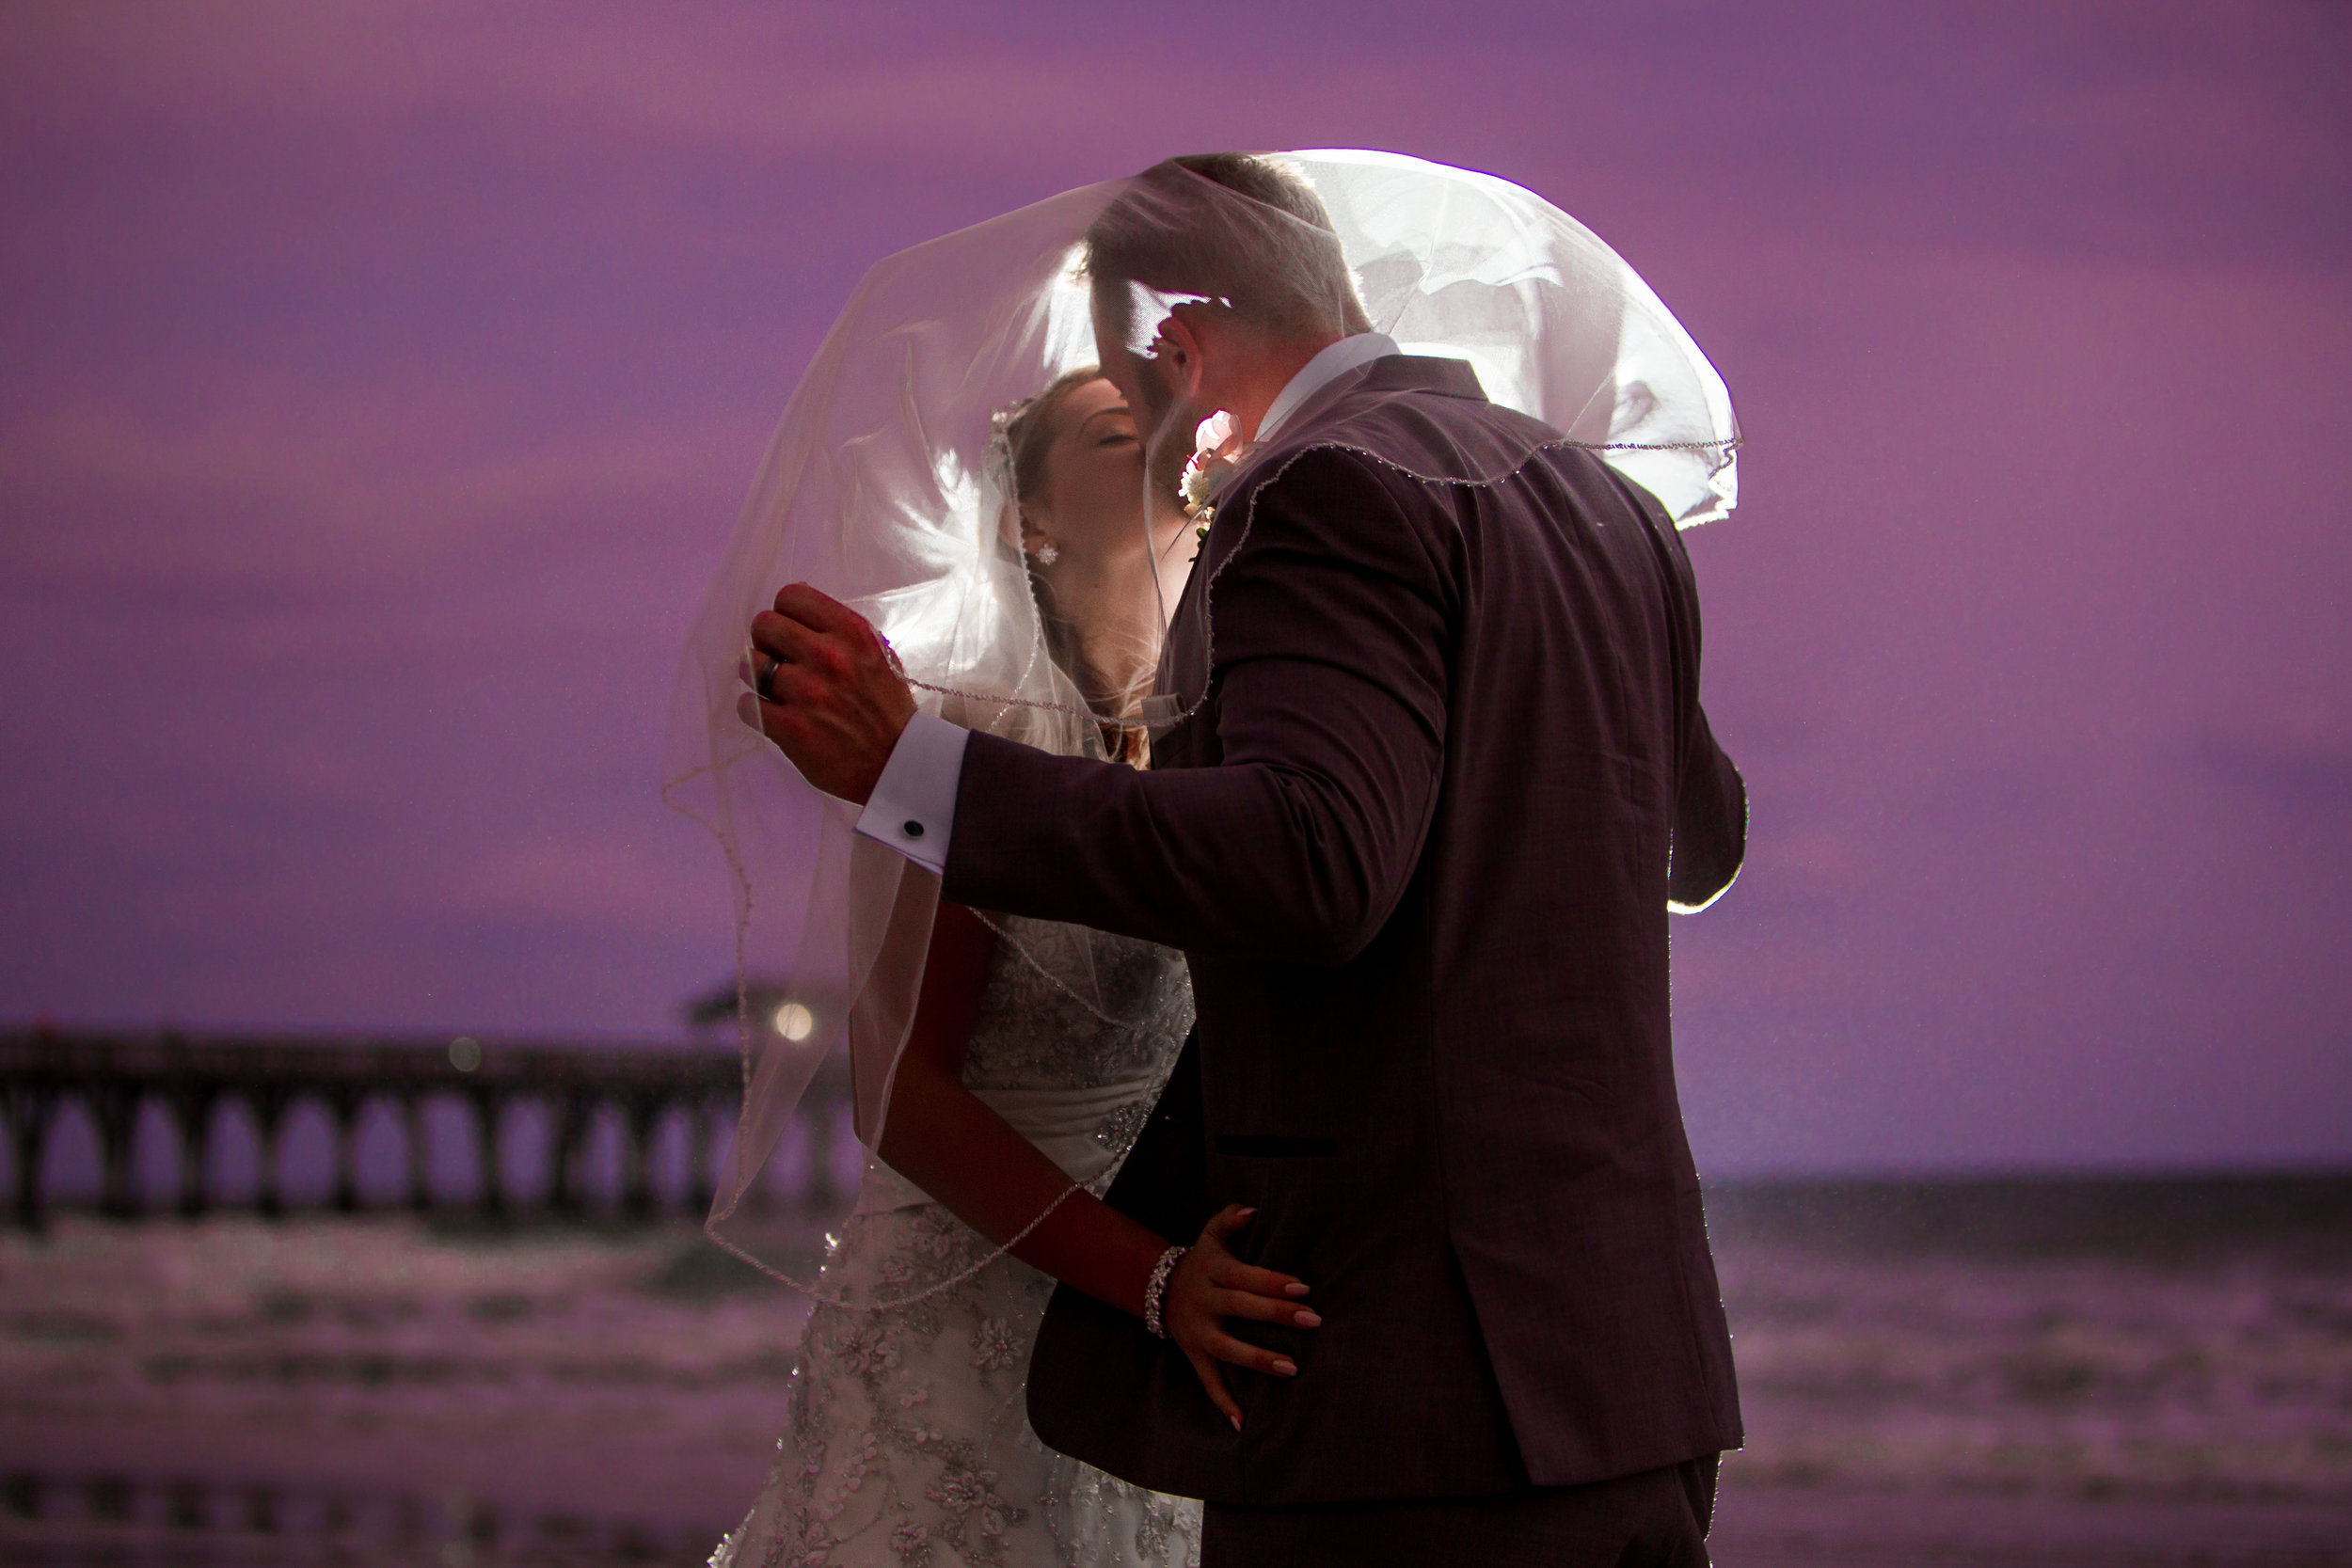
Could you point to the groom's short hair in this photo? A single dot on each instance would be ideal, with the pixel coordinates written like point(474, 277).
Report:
point(1230, 227)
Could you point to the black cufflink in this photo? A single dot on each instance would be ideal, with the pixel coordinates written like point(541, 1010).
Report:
point(912, 829)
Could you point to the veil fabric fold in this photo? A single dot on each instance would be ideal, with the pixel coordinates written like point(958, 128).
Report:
point(880, 488)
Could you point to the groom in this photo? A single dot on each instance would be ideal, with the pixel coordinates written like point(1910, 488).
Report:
point(1438, 775)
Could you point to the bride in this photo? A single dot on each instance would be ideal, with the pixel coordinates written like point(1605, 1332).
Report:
point(906, 1439)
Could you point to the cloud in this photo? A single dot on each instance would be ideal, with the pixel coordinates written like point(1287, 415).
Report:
point(264, 487)
point(2103, 127)
point(761, 80)
point(573, 877)
point(2298, 761)
point(384, 379)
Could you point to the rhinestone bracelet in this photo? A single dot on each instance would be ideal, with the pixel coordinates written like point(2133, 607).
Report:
point(1155, 1289)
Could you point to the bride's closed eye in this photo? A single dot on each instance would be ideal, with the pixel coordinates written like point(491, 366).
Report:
point(1109, 427)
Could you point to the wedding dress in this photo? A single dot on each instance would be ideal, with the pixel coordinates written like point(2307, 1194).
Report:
point(907, 1442)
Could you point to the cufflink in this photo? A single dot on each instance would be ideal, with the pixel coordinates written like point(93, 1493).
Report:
point(911, 829)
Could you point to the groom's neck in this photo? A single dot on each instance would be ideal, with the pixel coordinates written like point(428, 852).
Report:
point(1260, 379)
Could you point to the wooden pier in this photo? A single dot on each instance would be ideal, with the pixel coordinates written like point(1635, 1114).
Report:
point(117, 1077)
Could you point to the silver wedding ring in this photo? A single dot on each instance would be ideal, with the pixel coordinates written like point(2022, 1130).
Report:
point(765, 684)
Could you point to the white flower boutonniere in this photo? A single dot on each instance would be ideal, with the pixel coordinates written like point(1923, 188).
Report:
point(1215, 456)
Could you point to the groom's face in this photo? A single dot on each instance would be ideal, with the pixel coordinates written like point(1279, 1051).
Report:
point(1150, 390)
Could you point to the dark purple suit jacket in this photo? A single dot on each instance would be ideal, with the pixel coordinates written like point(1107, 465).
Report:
point(1418, 844)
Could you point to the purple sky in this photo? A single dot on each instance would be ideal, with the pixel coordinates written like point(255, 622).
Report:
point(380, 384)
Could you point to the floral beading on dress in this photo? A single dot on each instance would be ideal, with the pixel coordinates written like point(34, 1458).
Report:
point(907, 1440)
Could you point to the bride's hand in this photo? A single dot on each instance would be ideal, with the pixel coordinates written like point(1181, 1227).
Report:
point(1211, 1285)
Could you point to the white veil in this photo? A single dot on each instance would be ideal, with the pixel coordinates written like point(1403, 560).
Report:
point(880, 489)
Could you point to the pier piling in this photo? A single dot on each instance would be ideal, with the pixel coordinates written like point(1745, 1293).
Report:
point(117, 1077)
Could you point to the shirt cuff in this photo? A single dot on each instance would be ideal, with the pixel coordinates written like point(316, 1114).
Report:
point(913, 809)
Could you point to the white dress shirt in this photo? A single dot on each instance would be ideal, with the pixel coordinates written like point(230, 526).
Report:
point(912, 808)
point(1335, 361)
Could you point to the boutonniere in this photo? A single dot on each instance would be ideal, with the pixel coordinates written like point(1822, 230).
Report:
point(1214, 457)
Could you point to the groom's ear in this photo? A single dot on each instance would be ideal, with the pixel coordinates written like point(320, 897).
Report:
point(1181, 354)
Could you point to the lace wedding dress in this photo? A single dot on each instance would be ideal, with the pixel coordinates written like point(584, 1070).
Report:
point(907, 1441)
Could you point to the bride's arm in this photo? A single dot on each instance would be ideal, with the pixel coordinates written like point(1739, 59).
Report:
point(942, 1137)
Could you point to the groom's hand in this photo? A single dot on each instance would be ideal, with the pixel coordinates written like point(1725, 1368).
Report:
point(1211, 1285)
point(826, 691)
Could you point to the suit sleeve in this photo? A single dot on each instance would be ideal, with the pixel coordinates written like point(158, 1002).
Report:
point(1328, 685)
point(1710, 838)
point(1710, 826)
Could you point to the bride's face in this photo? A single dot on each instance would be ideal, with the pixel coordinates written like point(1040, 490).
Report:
point(1091, 504)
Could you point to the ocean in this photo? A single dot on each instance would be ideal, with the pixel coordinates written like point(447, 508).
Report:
point(2077, 1370)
